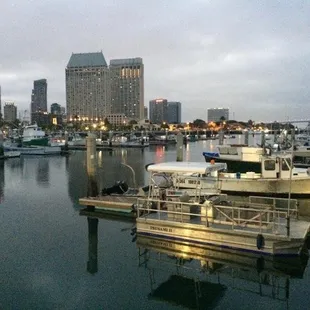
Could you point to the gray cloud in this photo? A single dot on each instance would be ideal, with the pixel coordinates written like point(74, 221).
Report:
point(250, 56)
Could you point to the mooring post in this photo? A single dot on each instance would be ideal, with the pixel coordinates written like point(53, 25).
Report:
point(293, 136)
point(179, 146)
point(110, 137)
point(263, 139)
point(221, 137)
point(66, 141)
point(92, 188)
point(91, 154)
point(246, 137)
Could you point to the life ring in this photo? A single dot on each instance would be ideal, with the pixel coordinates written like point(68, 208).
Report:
point(260, 241)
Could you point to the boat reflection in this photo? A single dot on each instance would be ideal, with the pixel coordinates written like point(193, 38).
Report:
point(200, 276)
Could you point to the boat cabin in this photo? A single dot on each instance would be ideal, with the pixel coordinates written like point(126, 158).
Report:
point(278, 167)
point(33, 131)
point(242, 152)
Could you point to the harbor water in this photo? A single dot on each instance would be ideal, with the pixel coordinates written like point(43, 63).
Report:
point(52, 257)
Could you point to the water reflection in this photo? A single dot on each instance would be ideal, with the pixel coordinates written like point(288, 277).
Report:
point(92, 264)
point(43, 172)
point(109, 169)
point(199, 277)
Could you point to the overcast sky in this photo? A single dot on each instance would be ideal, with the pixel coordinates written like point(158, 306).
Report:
point(251, 56)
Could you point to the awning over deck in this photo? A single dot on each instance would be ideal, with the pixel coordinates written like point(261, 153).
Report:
point(186, 167)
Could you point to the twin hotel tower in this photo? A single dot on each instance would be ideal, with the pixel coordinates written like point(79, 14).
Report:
point(95, 91)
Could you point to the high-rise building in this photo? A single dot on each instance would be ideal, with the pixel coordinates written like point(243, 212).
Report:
point(87, 87)
point(146, 112)
point(55, 109)
point(174, 112)
point(0, 105)
point(10, 112)
point(158, 111)
point(127, 87)
point(39, 96)
point(216, 114)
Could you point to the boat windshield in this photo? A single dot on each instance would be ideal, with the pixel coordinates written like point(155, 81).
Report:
point(286, 164)
point(161, 180)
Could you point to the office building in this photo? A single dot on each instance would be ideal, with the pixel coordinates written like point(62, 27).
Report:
point(145, 112)
point(158, 111)
point(55, 109)
point(87, 87)
point(10, 112)
point(0, 105)
point(127, 87)
point(39, 96)
point(174, 112)
point(217, 114)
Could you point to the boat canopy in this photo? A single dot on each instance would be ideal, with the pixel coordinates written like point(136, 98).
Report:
point(186, 167)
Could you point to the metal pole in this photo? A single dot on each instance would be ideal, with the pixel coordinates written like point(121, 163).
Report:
point(133, 174)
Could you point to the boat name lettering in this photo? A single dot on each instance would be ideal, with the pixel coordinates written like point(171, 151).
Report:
point(193, 182)
point(161, 228)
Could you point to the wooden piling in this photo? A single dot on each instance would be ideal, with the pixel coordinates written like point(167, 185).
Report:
point(92, 186)
point(221, 137)
point(246, 137)
point(66, 141)
point(91, 154)
point(179, 147)
point(263, 139)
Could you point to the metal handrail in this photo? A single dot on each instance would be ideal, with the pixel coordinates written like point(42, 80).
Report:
point(261, 219)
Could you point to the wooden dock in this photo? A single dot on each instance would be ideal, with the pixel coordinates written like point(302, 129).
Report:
point(116, 202)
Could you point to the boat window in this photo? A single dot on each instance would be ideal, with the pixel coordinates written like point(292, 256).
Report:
point(286, 164)
point(269, 165)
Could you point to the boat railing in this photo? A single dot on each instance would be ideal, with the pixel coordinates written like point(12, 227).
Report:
point(239, 216)
point(278, 204)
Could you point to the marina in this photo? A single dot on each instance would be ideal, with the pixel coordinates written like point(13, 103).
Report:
point(81, 246)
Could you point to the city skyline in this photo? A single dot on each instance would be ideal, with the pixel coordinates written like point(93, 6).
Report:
point(250, 57)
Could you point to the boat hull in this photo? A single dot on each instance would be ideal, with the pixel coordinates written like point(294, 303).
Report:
point(36, 142)
point(35, 150)
point(252, 186)
point(221, 238)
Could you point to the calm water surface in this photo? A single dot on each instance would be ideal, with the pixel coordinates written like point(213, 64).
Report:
point(54, 258)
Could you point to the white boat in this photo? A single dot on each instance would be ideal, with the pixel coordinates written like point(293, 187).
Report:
point(277, 178)
point(263, 225)
point(303, 139)
point(11, 154)
point(34, 135)
point(34, 150)
point(243, 158)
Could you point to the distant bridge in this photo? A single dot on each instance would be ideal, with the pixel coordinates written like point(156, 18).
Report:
point(293, 121)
